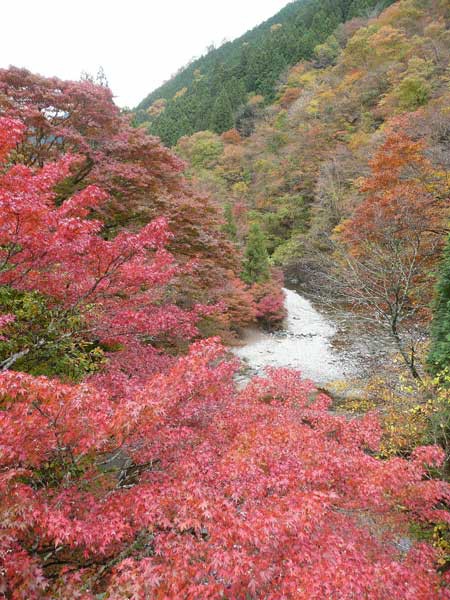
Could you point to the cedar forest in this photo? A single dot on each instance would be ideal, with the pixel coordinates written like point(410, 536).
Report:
point(136, 246)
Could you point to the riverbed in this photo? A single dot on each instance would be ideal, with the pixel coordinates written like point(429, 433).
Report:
point(307, 342)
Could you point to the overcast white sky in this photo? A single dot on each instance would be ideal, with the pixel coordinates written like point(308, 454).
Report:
point(139, 43)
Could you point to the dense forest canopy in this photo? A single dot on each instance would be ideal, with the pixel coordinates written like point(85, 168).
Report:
point(346, 173)
point(212, 92)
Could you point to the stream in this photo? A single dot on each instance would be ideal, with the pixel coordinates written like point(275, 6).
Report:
point(304, 343)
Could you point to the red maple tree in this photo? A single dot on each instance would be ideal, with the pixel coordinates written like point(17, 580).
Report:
point(164, 480)
point(143, 179)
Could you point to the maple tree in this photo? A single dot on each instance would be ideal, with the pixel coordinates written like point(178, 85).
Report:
point(269, 299)
point(289, 97)
point(115, 288)
point(393, 238)
point(156, 476)
point(231, 137)
point(143, 179)
point(186, 489)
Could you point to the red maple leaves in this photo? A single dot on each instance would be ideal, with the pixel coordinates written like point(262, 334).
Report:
point(158, 478)
point(216, 493)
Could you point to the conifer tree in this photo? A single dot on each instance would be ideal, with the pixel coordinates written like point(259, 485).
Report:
point(230, 223)
point(256, 261)
point(439, 357)
point(236, 92)
point(222, 114)
point(252, 64)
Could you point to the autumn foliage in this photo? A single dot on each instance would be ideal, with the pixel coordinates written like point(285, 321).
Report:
point(156, 477)
point(186, 489)
point(402, 195)
point(132, 462)
point(143, 180)
point(394, 236)
point(115, 285)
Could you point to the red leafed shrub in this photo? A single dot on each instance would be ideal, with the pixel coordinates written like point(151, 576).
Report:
point(269, 300)
point(269, 303)
point(240, 305)
point(231, 136)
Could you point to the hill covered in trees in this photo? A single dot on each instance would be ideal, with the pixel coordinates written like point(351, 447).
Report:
point(223, 88)
point(352, 149)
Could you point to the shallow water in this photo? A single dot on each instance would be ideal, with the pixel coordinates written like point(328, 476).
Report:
point(304, 344)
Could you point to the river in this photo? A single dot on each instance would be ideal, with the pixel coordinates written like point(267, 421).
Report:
point(304, 343)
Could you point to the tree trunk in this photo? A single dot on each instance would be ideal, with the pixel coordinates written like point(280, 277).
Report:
point(407, 358)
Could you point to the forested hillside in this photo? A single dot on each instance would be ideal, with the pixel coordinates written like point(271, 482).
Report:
point(350, 166)
point(138, 458)
point(225, 87)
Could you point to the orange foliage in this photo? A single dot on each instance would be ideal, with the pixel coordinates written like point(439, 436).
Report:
point(231, 137)
point(290, 96)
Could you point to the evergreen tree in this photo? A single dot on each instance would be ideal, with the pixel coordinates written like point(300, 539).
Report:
point(256, 260)
point(236, 92)
point(246, 120)
point(222, 115)
point(230, 223)
point(439, 356)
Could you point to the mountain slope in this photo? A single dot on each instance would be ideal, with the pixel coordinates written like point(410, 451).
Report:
point(213, 91)
point(347, 173)
point(297, 174)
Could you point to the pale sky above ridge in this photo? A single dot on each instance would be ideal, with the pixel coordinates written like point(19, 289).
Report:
point(139, 43)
